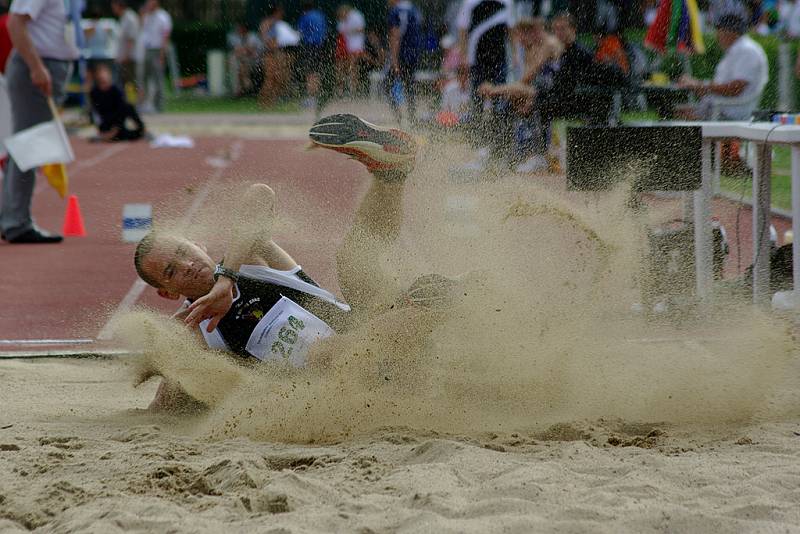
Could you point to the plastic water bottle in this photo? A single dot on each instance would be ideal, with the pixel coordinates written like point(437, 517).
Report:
point(137, 219)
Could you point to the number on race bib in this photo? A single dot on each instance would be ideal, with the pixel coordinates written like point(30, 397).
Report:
point(278, 348)
point(296, 323)
point(287, 335)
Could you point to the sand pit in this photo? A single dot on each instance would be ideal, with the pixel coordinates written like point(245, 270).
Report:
point(540, 403)
point(78, 455)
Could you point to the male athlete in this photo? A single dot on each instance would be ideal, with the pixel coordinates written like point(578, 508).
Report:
point(258, 303)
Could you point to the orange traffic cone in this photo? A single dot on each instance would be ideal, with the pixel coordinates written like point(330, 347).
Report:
point(73, 220)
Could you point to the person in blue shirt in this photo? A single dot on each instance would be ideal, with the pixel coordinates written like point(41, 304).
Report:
point(313, 27)
point(405, 44)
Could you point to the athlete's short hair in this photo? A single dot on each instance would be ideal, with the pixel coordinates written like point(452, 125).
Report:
point(144, 248)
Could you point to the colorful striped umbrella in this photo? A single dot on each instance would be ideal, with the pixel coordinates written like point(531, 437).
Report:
point(676, 27)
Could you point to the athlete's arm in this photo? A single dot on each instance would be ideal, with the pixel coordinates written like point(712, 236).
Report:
point(250, 243)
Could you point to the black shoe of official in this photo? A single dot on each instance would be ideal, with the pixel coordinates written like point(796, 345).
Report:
point(381, 150)
point(34, 236)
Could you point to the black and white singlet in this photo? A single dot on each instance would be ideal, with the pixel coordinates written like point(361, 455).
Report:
point(269, 318)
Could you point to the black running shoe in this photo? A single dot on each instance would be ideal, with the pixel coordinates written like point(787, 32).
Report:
point(379, 149)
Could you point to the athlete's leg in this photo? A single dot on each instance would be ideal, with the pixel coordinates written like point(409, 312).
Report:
point(389, 154)
point(361, 261)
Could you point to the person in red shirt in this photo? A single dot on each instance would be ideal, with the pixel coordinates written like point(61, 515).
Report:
point(5, 51)
point(5, 42)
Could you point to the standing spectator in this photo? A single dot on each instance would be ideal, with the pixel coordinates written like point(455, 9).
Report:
point(111, 110)
point(245, 47)
point(374, 52)
point(126, 44)
point(37, 70)
point(351, 26)
point(278, 38)
point(405, 43)
point(313, 28)
point(156, 29)
point(483, 29)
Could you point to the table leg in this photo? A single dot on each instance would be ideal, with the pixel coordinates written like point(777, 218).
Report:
point(717, 166)
point(703, 245)
point(796, 222)
point(761, 219)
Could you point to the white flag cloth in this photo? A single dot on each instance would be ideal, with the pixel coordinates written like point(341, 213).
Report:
point(39, 145)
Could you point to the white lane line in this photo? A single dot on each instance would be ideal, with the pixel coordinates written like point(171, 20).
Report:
point(46, 341)
point(31, 354)
point(139, 286)
point(84, 164)
point(102, 156)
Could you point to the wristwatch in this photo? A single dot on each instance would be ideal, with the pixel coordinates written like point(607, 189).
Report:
point(219, 270)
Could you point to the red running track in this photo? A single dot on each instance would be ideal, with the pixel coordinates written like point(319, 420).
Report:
point(68, 291)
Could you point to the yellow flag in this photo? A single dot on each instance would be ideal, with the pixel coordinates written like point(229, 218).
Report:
point(56, 174)
point(694, 27)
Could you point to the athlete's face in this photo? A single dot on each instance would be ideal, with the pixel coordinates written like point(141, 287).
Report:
point(181, 267)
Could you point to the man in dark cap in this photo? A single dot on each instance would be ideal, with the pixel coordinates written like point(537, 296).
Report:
point(739, 77)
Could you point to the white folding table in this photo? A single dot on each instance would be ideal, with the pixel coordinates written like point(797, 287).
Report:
point(764, 135)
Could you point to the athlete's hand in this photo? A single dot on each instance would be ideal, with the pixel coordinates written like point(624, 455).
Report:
point(181, 313)
point(212, 306)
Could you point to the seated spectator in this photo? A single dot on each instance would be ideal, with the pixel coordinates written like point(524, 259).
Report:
point(739, 78)
point(555, 91)
point(111, 111)
point(540, 49)
point(245, 47)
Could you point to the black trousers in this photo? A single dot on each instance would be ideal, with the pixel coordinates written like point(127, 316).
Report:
point(124, 133)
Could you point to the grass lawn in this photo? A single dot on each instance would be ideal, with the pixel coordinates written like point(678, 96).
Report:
point(781, 181)
point(216, 104)
point(743, 187)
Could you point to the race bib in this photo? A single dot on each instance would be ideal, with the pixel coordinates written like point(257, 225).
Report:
point(286, 333)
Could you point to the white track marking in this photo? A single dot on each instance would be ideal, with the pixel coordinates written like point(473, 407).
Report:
point(30, 354)
point(84, 164)
point(139, 286)
point(45, 341)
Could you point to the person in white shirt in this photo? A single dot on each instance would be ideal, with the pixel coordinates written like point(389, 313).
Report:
point(37, 69)
point(156, 29)
point(351, 26)
point(739, 78)
point(126, 44)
